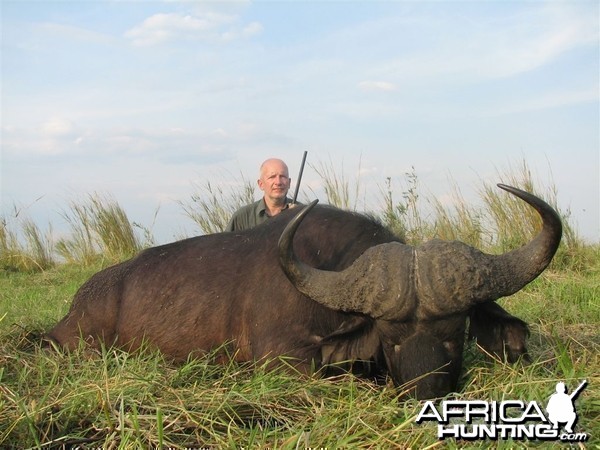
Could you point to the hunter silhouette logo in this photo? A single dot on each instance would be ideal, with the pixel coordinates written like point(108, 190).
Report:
point(507, 419)
point(561, 406)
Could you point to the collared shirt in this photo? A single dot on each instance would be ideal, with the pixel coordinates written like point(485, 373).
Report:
point(251, 215)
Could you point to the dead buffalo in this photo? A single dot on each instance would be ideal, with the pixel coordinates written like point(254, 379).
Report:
point(338, 288)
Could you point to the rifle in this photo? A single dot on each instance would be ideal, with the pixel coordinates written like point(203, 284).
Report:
point(576, 392)
point(299, 178)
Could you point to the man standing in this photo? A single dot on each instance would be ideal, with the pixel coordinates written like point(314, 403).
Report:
point(274, 181)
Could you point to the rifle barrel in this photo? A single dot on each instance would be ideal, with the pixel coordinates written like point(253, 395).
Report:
point(576, 392)
point(299, 178)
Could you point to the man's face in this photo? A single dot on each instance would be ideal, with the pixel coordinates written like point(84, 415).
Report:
point(274, 180)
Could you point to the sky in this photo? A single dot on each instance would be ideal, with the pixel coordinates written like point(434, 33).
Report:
point(145, 100)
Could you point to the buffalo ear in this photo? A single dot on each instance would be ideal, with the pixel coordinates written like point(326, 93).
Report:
point(422, 366)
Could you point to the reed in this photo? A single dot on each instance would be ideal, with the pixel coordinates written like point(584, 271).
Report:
point(113, 399)
point(339, 190)
point(212, 206)
point(100, 229)
point(32, 251)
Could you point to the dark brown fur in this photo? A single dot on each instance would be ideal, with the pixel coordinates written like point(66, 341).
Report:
point(194, 295)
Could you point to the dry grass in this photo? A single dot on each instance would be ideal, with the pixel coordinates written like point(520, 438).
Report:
point(111, 399)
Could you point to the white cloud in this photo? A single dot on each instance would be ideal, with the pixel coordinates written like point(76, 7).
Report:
point(53, 137)
point(57, 127)
point(164, 27)
point(60, 139)
point(507, 54)
point(252, 29)
point(466, 49)
point(385, 86)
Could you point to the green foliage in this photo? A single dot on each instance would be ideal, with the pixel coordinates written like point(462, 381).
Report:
point(501, 224)
point(212, 207)
point(339, 191)
point(514, 223)
point(32, 255)
point(100, 228)
point(113, 399)
point(459, 221)
point(404, 217)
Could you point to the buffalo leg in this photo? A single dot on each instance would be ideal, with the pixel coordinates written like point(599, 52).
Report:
point(498, 332)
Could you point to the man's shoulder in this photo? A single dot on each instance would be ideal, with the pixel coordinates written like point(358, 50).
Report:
point(249, 208)
point(246, 216)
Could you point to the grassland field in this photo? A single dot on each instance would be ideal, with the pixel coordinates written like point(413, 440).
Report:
point(113, 400)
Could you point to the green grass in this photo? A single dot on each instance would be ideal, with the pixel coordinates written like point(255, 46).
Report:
point(100, 231)
point(35, 254)
point(118, 400)
point(111, 399)
point(210, 207)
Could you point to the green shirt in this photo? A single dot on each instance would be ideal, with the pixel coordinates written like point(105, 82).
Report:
point(250, 215)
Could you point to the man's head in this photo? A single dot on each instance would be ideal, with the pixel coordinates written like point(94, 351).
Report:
point(274, 180)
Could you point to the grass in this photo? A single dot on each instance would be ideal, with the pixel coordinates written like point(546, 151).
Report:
point(111, 399)
point(100, 228)
point(211, 207)
point(34, 254)
point(405, 217)
point(338, 189)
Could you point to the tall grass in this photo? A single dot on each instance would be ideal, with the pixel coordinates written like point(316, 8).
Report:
point(515, 223)
point(339, 190)
point(501, 223)
point(404, 216)
point(112, 399)
point(80, 246)
point(211, 207)
point(507, 212)
point(459, 221)
point(33, 251)
point(100, 228)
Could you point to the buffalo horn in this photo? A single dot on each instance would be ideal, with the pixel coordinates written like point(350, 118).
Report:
point(392, 281)
point(363, 287)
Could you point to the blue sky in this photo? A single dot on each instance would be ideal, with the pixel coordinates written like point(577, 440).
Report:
point(142, 99)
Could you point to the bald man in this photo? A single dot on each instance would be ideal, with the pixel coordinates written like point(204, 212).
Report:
point(274, 181)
